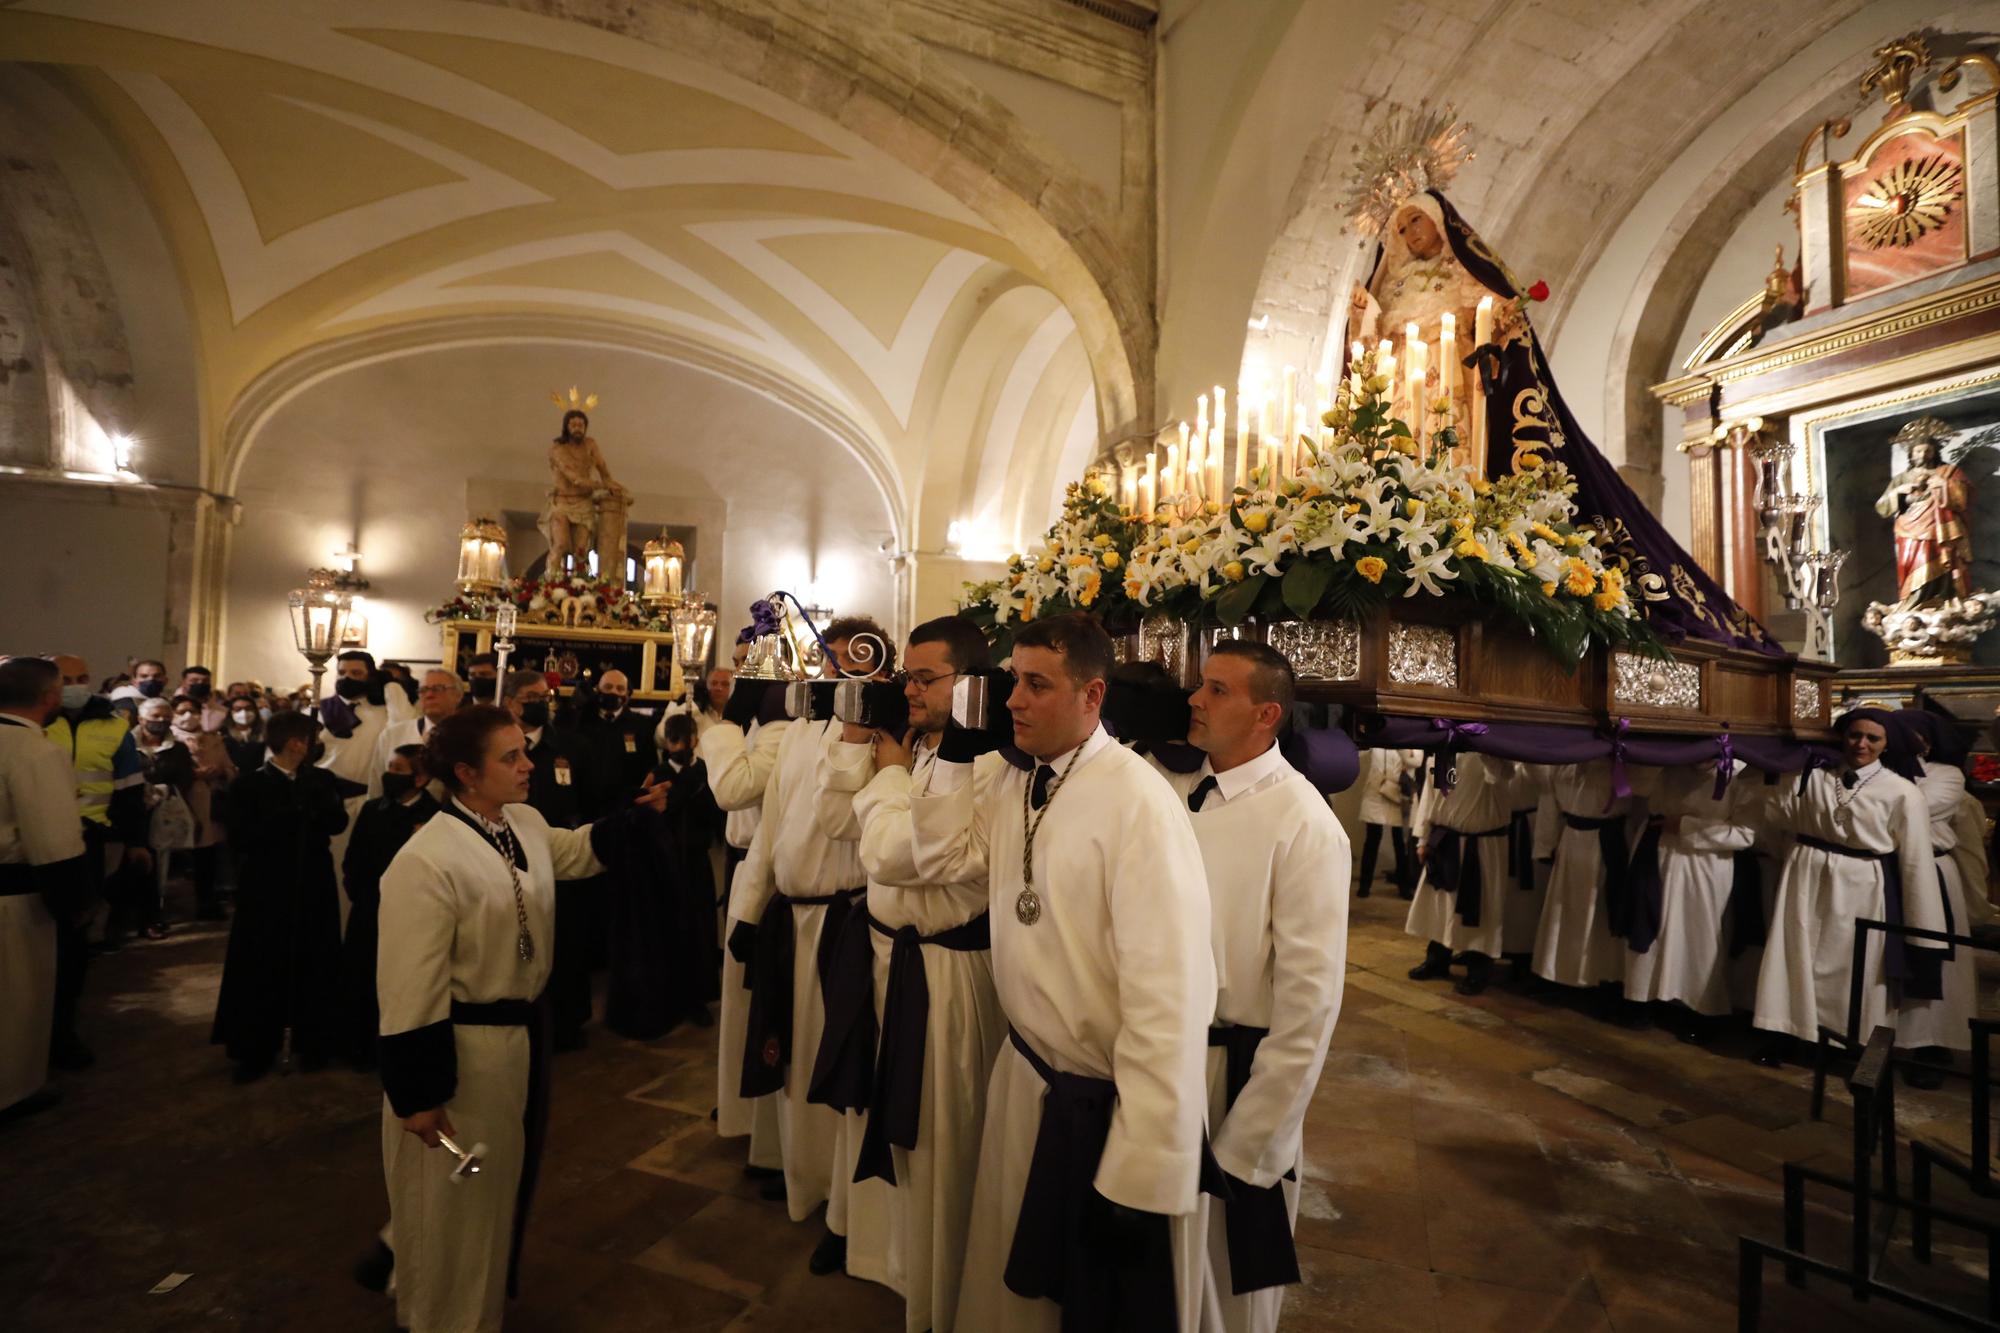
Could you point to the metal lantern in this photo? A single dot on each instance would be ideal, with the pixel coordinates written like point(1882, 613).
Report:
point(482, 556)
point(694, 632)
point(319, 623)
point(661, 585)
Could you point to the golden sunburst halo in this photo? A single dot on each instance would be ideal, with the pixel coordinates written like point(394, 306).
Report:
point(1907, 202)
point(578, 401)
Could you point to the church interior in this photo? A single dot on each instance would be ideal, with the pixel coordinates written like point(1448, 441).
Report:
point(1674, 325)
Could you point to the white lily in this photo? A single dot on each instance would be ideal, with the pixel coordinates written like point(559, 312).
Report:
point(1425, 568)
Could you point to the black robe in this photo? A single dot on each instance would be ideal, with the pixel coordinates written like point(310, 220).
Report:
point(380, 831)
point(664, 964)
point(617, 756)
point(283, 965)
point(557, 787)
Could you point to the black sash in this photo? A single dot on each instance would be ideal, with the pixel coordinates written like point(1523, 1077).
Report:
point(897, 1097)
point(844, 1067)
point(1065, 1249)
point(767, 1037)
point(1645, 891)
point(1449, 869)
point(1746, 902)
point(17, 880)
point(1255, 1222)
point(534, 1016)
point(1896, 959)
point(1521, 848)
point(1610, 832)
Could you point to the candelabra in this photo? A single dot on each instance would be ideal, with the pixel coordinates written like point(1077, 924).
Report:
point(1809, 576)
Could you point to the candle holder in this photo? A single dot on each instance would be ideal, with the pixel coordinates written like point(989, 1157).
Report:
point(665, 562)
point(505, 617)
point(319, 622)
point(482, 556)
point(694, 633)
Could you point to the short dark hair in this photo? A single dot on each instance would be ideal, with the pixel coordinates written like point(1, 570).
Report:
point(482, 659)
point(1272, 680)
point(26, 681)
point(1085, 647)
point(678, 727)
point(186, 671)
point(154, 661)
point(848, 627)
point(284, 728)
point(461, 739)
point(418, 755)
point(963, 643)
point(520, 680)
point(351, 655)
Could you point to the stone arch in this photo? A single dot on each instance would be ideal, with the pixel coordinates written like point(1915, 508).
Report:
point(877, 83)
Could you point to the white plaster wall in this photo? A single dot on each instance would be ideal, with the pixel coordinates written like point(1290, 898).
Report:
point(87, 573)
point(386, 455)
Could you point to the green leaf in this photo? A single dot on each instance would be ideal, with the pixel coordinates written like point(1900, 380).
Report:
point(1235, 601)
point(1305, 583)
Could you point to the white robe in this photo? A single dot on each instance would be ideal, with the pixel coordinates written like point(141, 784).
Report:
point(1574, 945)
point(790, 855)
point(1278, 865)
point(1523, 911)
point(1480, 801)
point(353, 757)
point(449, 932)
point(1689, 962)
point(39, 826)
point(931, 1206)
point(1114, 980)
point(1809, 952)
point(1943, 1022)
point(739, 769)
point(1383, 800)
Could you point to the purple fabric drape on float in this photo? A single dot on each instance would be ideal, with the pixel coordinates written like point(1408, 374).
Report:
point(1548, 743)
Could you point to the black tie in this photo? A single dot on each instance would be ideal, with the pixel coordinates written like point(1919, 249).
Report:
point(1038, 794)
point(1848, 779)
point(1201, 791)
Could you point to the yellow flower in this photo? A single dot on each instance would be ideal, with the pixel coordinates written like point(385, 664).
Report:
point(1481, 486)
point(1045, 564)
point(1111, 560)
point(1579, 580)
point(1212, 508)
point(1471, 549)
point(1102, 539)
point(1547, 534)
point(1529, 463)
point(1080, 558)
point(1091, 583)
point(1548, 590)
point(1133, 588)
point(1013, 580)
point(1096, 486)
point(1612, 579)
point(1605, 601)
point(1191, 546)
point(1371, 567)
point(1256, 520)
point(1354, 508)
point(1574, 541)
point(1233, 571)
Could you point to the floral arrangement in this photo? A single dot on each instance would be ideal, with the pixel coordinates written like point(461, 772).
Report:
point(1367, 515)
point(564, 599)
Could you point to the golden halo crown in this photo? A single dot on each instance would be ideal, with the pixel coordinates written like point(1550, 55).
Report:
point(578, 402)
point(1411, 151)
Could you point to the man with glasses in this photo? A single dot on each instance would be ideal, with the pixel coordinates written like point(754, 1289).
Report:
point(437, 699)
point(932, 973)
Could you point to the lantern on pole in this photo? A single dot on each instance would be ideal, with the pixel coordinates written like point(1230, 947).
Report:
point(660, 584)
point(482, 556)
point(319, 622)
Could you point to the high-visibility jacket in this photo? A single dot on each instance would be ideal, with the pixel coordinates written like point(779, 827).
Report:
point(100, 750)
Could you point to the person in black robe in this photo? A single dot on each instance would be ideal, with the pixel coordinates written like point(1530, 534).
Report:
point(282, 969)
point(665, 967)
point(617, 742)
point(557, 789)
point(380, 831)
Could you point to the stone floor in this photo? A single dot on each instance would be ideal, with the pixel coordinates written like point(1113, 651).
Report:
point(1506, 1162)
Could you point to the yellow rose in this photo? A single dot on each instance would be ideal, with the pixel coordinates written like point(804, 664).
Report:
point(1233, 571)
point(1530, 462)
point(1371, 567)
point(1548, 590)
point(1481, 486)
point(1097, 486)
point(1212, 508)
point(1256, 520)
point(1079, 559)
point(1111, 560)
point(1102, 539)
point(1045, 564)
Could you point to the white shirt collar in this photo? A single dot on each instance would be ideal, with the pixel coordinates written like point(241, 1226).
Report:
point(534, 737)
point(1868, 770)
point(1247, 777)
point(1092, 744)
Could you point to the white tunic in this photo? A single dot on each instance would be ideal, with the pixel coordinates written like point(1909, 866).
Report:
point(1809, 953)
point(1115, 979)
point(39, 826)
point(739, 769)
point(1524, 906)
point(353, 757)
point(790, 855)
point(931, 1207)
point(449, 932)
point(1481, 801)
point(1943, 1021)
point(1278, 865)
point(1574, 945)
point(1689, 962)
point(1383, 800)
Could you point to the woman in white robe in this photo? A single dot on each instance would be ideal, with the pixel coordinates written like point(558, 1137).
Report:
point(1851, 824)
point(1477, 816)
point(467, 935)
point(1685, 960)
point(1576, 944)
point(1933, 1027)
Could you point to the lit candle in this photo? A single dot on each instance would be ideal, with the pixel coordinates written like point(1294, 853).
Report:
point(1242, 438)
point(1152, 483)
point(1186, 456)
point(1482, 334)
point(1482, 322)
point(1201, 417)
point(1448, 355)
point(1128, 488)
point(1355, 352)
point(1287, 417)
point(1215, 462)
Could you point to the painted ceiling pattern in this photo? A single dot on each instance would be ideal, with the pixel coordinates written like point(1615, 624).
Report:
point(325, 169)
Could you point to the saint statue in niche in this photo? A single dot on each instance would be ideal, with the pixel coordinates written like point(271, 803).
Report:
point(587, 506)
point(1929, 500)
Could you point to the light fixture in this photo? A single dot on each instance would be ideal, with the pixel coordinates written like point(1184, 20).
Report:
point(694, 633)
point(319, 622)
point(121, 453)
point(355, 633)
point(665, 564)
point(482, 556)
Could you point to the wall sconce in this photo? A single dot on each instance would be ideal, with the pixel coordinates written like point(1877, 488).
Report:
point(665, 564)
point(482, 556)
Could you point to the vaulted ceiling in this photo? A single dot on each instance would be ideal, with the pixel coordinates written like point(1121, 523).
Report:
point(330, 171)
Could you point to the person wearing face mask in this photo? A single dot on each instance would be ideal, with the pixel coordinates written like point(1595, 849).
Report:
point(482, 680)
point(149, 678)
point(243, 737)
point(42, 878)
point(110, 797)
point(386, 823)
point(214, 770)
point(355, 718)
point(136, 895)
point(556, 789)
point(705, 701)
point(618, 743)
point(282, 969)
point(198, 684)
point(438, 697)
